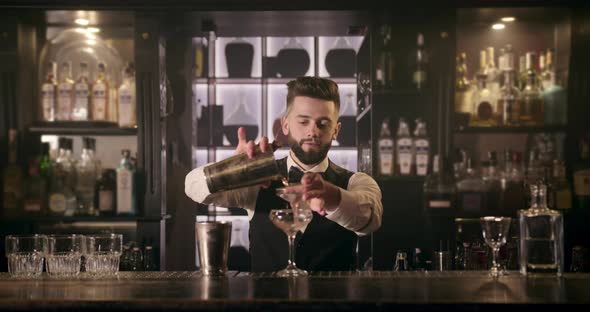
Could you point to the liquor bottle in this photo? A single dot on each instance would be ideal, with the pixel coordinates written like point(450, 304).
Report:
point(582, 175)
point(401, 261)
point(405, 149)
point(484, 104)
point(106, 193)
point(100, 94)
point(125, 264)
point(149, 259)
point(82, 94)
point(463, 93)
point(492, 180)
point(86, 178)
point(35, 191)
point(493, 75)
point(471, 193)
point(13, 178)
point(562, 198)
point(45, 164)
point(62, 200)
point(421, 148)
point(49, 92)
point(126, 185)
point(420, 75)
point(522, 72)
point(554, 95)
point(384, 67)
point(508, 101)
point(136, 259)
point(513, 192)
point(541, 235)
point(127, 105)
point(65, 93)
point(532, 106)
point(440, 189)
point(386, 150)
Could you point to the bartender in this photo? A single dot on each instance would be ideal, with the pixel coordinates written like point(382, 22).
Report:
point(345, 204)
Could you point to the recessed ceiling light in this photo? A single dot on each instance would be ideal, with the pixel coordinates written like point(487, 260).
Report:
point(498, 26)
point(508, 19)
point(82, 21)
point(93, 29)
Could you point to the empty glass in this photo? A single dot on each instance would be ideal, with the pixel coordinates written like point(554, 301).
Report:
point(65, 254)
point(25, 254)
point(291, 221)
point(495, 232)
point(103, 254)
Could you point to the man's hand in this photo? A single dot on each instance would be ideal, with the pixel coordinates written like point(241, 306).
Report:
point(321, 195)
point(249, 147)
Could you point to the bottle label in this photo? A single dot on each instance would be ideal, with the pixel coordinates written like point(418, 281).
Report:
point(422, 150)
point(105, 201)
point(404, 155)
point(57, 203)
point(64, 101)
point(439, 204)
point(124, 191)
point(81, 101)
point(386, 156)
point(582, 182)
point(48, 101)
point(126, 108)
point(99, 102)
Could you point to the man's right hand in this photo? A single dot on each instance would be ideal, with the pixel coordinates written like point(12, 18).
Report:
point(249, 147)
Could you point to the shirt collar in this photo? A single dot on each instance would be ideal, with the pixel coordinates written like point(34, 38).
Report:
point(321, 167)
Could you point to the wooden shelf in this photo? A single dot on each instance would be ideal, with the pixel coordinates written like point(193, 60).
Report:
point(491, 130)
point(81, 128)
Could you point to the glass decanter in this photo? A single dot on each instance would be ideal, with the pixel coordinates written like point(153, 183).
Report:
point(541, 235)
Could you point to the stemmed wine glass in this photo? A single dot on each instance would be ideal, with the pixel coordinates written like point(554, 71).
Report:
point(495, 233)
point(291, 221)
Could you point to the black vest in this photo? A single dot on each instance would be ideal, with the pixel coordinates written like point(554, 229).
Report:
point(325, 245)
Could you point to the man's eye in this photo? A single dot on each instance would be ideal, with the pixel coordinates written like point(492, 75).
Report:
point(303, 122)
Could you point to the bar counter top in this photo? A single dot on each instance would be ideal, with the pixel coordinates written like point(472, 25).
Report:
point(378, 290)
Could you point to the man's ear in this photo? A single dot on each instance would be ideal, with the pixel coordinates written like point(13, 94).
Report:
point(285, 125)
point(337, 130)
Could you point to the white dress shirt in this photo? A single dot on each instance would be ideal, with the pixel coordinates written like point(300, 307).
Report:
point(360, 209)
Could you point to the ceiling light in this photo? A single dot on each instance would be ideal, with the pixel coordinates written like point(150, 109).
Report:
point(90, 36)
point(82, 21)
point(508, 19)
point(93, 29)
point(81, 30)
point(91, 42)
point(498, 26)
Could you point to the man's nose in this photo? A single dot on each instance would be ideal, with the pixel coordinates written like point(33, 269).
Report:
point(313, 131)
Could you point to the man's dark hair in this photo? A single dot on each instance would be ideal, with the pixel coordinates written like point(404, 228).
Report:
point(314, 87)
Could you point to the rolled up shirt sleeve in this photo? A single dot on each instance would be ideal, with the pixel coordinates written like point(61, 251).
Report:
point(360, 208)
point(195, 187)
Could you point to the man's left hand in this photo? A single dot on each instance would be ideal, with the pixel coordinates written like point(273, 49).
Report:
point(321, 195)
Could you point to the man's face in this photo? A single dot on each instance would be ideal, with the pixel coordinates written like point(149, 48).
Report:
point(310, 126)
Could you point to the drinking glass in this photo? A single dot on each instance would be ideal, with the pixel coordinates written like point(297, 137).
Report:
point(65, 254)
point(103, 254)
point(25, 254)
point(495, 232)
point(291, 221)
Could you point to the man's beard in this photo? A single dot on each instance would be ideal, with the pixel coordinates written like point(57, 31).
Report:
point(309, 158)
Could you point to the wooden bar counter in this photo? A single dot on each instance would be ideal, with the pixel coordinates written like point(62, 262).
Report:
point(350, 291)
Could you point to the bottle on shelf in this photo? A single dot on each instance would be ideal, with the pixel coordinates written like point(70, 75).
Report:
point(105, 195)
point(385, 65)
point(463, 92)
point(62, 200)
point(532, 106)
point(401, 261)
point(509, 101)
point(100, 94)
point(562, 192)
point(35, 194)
point(240, 117)
point(45, 164)
point(471, 192)
point(541, 235)
point(522, 72)
point(136, 260)
point(554, 94)
point(82, 94)
point(86, 172)
point(492, 72)
point(127, 104)
point(421, 148)
point(49, 93)
point(386, 150)
point(405, 149)
point(484, 102)
point(149, 259)
point(65, 93)
point(440, 188)
point(126, 201)
point(12, 177)
point(420, 74)
point(513, 193)
point(492, 180)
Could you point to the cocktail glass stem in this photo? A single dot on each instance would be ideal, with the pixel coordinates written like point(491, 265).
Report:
point(495, 271)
